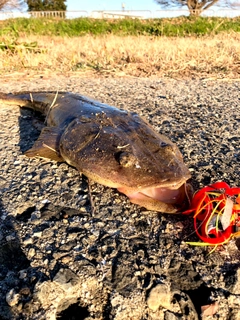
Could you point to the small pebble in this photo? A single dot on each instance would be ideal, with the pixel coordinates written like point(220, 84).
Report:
point(12, 298)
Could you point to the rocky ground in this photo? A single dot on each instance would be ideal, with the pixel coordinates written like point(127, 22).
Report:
point(70, 251)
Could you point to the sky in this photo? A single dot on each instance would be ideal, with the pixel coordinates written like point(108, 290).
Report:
point(149, 5)
point(91, 5)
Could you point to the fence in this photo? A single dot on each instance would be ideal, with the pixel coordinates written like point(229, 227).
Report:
point(118, 14)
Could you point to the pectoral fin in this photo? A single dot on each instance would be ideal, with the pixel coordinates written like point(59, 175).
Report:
point(47, 145)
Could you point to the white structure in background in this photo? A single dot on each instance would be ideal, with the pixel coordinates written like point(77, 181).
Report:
point(118, 14)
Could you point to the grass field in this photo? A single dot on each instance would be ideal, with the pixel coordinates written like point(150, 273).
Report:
point(162, 47)
point(171, 27)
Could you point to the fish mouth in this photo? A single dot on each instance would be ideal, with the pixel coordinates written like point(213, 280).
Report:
point(166, 195)
point(172, 198)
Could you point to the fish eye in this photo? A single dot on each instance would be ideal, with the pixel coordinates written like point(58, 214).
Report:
point(125, 159)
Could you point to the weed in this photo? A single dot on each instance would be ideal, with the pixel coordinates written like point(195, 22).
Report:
point(181, 26)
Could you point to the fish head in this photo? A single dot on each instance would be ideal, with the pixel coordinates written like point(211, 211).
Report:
point(162, 180)
point(127, 154)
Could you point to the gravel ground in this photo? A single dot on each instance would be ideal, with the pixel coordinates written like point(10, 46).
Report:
point(60, 259)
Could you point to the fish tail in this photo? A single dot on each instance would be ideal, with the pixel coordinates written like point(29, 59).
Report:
point(39, 101)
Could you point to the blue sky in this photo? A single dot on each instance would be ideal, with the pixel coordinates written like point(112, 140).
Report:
point(91, 5)
point(150, 5)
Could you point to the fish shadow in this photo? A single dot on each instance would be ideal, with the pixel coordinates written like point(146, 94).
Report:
point(16, 274)
point(30, 125)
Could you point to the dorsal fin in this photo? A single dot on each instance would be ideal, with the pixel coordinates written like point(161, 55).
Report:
point(47, 145)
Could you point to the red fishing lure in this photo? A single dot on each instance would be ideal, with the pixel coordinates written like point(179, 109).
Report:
point(216, 213)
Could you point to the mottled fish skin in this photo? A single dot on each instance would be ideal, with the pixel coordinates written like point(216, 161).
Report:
point(111, 146)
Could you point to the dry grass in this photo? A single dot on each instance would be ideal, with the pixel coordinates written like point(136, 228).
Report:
point(217, 55)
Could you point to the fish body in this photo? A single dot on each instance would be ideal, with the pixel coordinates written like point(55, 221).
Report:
point(111, 146)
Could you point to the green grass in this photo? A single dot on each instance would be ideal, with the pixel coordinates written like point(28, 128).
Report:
point(182, 26)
